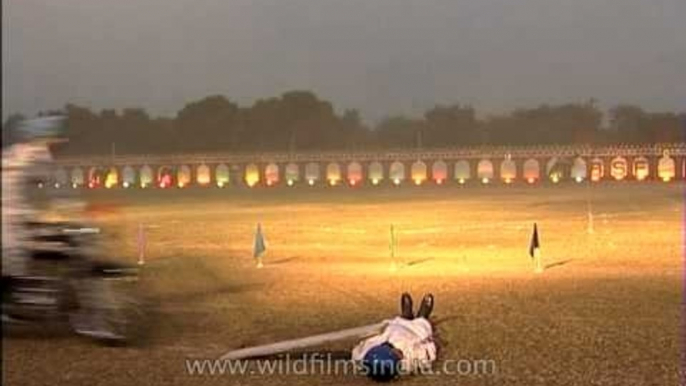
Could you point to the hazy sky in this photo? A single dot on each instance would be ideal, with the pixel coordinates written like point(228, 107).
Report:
point(382, 56)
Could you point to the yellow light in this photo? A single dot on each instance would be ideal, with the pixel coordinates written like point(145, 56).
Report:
point(220, 184)
point(531, 180)
point(126, 184)
point(396, 181)
point(375, 181)
point(290, 182)
point(311, 182)
point(666, 178)
point(555, 178)
point(333, 182)
point(73, 185)
point(181, 185)
point(579, 179)
point(269, 182)
point(508, 180)
point(461, 180)
point(417, 181)
point(484, 180)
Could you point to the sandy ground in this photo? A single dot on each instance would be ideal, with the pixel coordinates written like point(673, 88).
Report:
point(607, 310)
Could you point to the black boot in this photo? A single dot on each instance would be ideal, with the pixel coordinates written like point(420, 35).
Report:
point(406, 306)
point(426, 306)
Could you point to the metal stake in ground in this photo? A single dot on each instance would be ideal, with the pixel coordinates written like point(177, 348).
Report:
point(393, 246)
point(141, 244)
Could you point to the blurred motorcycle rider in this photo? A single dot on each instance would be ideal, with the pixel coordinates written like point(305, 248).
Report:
point(26, 165)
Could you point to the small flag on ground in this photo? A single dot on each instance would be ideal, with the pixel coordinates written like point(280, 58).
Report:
point(535, 250)
point(259, 247)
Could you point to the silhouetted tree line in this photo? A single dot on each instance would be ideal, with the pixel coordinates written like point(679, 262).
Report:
point(300, 121)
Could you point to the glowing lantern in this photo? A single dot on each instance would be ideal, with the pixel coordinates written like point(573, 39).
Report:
point(439, 181)
point(310, 181)
point(290, 182)
point(181, 185)
point(417, 181)
point(57, 185)
point(126, 184)
point(555, 178)
point(508, 180)
point(641, 168)
point(375, 181)
point(203, 175)
point(220, 184)
point(352, 182)
point(252, 175)
point(531, 180)
point(74, 185)
point(396, 181)
point(579, 179)
point(461, 181)
point(666, 168)
point(484, 180)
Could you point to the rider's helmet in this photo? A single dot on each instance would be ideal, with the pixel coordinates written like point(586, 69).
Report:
point(46, 130)
point(382, 362)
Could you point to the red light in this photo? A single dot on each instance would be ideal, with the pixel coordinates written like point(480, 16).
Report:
point(352, 182)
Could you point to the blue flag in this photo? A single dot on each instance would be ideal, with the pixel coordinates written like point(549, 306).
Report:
point(259, 247)
point(534, 245)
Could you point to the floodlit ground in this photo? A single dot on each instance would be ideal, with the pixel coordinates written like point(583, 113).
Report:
point(607, 310)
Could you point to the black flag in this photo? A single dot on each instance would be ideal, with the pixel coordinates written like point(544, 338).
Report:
point(534, 245)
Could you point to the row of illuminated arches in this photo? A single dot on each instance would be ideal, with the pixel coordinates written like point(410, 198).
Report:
point(353, 174)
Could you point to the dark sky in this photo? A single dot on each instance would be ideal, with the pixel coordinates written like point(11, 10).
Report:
point(383, 56)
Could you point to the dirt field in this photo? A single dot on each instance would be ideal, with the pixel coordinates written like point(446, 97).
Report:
point(607, 310)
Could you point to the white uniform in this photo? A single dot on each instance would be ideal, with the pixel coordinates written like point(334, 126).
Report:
point(414, 338)
point(22, 166)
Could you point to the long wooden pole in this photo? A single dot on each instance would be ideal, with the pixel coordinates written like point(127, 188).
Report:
point(315, 340)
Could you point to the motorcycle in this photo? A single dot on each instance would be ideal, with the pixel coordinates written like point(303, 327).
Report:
point(75, 288)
